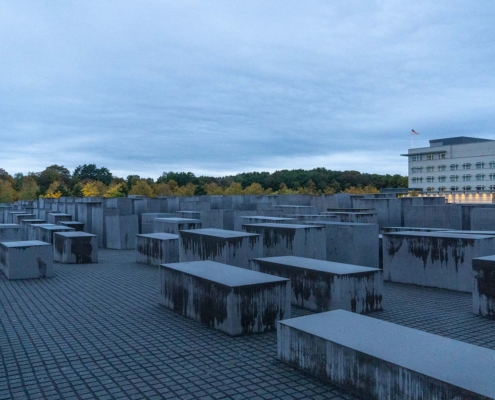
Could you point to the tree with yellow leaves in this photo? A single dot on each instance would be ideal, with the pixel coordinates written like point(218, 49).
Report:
point(141, 187)
point(94, 189)
point(115, 190)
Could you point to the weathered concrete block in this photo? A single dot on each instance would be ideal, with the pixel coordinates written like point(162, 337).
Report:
point(228, 247)
point(263, 219)
point(17, 218)
point(147, 224)
point(77, 226)
point(436, 259)
point(312, 217)
point(45, 231)
point(75, 247)
point(290, 239)
point(26, 259)
point(351, 243)
point(12, 216)
point(10, 233)
point(356, 217)
point(174, 225)
point(25, 226)
point(56, 218)
point(412, 229)
point(324, 285)
point(484, 286)
point(397, 363)
point(188, 214)
point(283, 209)
point(33, 231)
point(233, 300)
point(157, 248)
point(121, 231)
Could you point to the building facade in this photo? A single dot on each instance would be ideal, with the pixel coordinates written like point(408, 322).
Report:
point(453, 165)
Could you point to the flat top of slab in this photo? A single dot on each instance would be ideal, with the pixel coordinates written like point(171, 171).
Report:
point(56, 228)
point(351, 212)
point(159, 235)
point(284, 226)
point(336, 223)
point(268, 218)
point(59, 214)
point(18, 212)
point(25, 243)
point(291, 206)
point(407, 228)
point(459, 363)
point(318, 265)
point(9, 226)
point(43, 225)
point(221, 233)
point(32, 221)
point(71, 223)
point(224, 274)
point(486, 258)
point(489, 233)
point(178, 220)
point(443, 234)
point(75, 234)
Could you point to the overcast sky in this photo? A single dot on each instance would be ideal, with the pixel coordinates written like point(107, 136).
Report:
point(221, 87)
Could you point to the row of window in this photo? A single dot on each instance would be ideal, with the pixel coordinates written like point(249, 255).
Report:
point(454, 178)
point(419, 157)
point(453, 167)
point(456, 188)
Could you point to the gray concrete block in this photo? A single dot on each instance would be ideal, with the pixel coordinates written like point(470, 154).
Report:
point(26, 259)
point(484, 286)
point(157, 248)
point(45, 232)
point(356, 217)
point(17, 218)
point(397, 363)
point(233, 300)
point(435, 259)
point(10, 233)
point(11, 216)
point(228, 247)
point(76, 225)
point(25, 226)
point(121, 231)
point(174, 225)
point(290, 239)
point(56, 218)
point(324, 285)
point(75, 247)
point(147, 224)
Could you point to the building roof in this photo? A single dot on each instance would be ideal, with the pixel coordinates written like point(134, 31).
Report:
point(457, 140)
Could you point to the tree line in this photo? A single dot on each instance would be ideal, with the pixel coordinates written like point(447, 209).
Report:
point(89, 180)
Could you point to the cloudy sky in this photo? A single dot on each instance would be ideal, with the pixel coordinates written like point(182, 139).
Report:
point(221, 87)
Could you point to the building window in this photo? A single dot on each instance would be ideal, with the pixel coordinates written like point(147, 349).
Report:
point(492, 177)
point(454, 167)
point(441, 156)
point(442, 188)
point(480, 165)
point(442, 178)
point(492, 187)
point(415, 170)
point(454, 178)
point(416, 158)
point(454, 188)
point(466, 177)
point(480, 187)
point(466, 166)
point(430, 189)
point(430, 179)
point(466, 187)
point(441, 168)
point(492, 164)
point(417, 180)
point(430, 168)
point(429, 156)
point(480, 177)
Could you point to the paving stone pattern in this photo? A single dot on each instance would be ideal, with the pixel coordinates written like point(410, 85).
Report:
point(97, 331)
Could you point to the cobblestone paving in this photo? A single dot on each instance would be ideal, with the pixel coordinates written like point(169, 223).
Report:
point(97, 331)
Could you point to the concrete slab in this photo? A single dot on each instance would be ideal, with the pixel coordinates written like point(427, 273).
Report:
point(157, 248)
point(75, 247)
point(10, 233)
point(324, 285)
point(484, 286)
point(233, 300)
point(26, 259)
point(399, 362)
point(174, 225)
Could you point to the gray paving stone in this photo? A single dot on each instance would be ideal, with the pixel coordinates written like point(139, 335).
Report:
point(97, 330)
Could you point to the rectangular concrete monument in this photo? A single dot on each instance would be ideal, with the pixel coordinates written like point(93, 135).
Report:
point(324, 285)
point(436, 259)
point(233, 300)
point(46, 231)
point(26, 259)
point(228, 247)
point(75, 247)
point(56, 218)
point(484, 286)
point(174, 225)
point(76, 225)
point(290, 239)
point(10, 233)
point(376, 359)
point(157, 248)
point(121, 231)
point(25, 226)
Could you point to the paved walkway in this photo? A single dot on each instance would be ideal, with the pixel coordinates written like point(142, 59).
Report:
point(97, 331)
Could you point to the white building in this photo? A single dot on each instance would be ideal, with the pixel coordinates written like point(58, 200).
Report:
point(453, 166)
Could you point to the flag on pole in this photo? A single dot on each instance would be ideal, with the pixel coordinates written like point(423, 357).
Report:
point(413, 132)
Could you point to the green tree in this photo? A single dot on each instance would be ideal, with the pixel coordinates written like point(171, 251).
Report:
point(7, 192)
point(29, 189)
point(51, 174)
point(90, 172)
point(142, 188)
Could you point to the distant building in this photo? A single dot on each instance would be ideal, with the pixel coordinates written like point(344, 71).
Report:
point(458, 165)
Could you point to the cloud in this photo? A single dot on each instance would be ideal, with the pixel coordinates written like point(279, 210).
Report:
point(225, 87)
